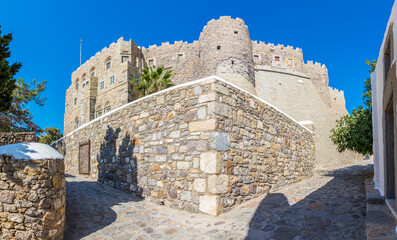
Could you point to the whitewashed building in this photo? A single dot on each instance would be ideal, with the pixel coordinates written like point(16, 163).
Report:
point(384, 97)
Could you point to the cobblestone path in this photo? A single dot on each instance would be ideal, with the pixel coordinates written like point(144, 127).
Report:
point(330, 205)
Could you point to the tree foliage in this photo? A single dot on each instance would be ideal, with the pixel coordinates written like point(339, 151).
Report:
point(7, 72)
point(51, 134)
point(354, 131)
point(18, 118)
point(152, 80)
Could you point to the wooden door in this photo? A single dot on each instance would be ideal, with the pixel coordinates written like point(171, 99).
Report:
point(84, 157)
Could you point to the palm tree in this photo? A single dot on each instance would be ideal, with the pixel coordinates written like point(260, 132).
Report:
point(153, 80)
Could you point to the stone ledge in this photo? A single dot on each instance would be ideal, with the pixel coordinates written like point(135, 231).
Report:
point(379, 222)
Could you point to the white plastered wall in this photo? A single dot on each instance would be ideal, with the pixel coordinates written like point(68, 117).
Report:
point(377, 81)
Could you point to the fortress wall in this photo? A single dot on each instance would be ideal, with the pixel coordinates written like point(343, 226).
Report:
point(200, 146)
point(225, 50)
point(92, 98)
point(180, 57)
point(338, 102)
point(268, 52)
point(298, 97)
point(267, 149)
point(319, 76)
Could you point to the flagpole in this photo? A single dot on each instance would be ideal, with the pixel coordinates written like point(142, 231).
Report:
point(80, 50)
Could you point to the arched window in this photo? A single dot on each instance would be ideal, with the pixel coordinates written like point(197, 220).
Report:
point(76, 122)
point(108, 63)
point(83, 79)
point(107, 107)
point(77, 84)
point(92, 72)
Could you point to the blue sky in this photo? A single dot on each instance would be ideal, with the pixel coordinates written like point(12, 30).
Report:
point(340, 34)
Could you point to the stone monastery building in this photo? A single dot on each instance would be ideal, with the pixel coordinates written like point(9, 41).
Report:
point(274, 73)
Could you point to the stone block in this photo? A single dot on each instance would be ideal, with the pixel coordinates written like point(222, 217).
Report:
point(223, 110)
point(197, 90)
point(18, 218)
point(186, 196)
point(175, 134)
point(160, 158)
point(210, 162)
point(209, 204)
point(7, 196)
point(221, 141)
point(183, 165)
point(207, 98)
point(205, 125)
point(202, 113)
point(199, 185)
point(218, 184)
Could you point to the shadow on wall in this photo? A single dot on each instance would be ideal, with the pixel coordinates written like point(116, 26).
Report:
point(118, 169)
point(335, 211)
point(89, 204)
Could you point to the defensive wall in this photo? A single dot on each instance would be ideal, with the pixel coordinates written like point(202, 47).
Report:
point(202, 146)
point(225, 49)
point(307, 106)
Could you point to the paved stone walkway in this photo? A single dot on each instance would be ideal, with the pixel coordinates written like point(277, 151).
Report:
point(330, 205)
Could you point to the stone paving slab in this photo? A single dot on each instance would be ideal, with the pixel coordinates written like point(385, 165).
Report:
point(330, 205)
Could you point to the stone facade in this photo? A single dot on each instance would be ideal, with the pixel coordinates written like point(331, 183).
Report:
point(17, 137)
point(201, 146)
point(224, 49)
point(32, 198)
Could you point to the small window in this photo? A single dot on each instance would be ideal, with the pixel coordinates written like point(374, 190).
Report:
point(108, 63)
point(92, 72)
point(277, 58)
point(83, 85)
point(180, 56)
point(151, 62)
point(112, 80)
point(124, 59)
point(289, 62)
point(256, 58)
point(218, 47)
point(232, 62)
point(101, 85)
point(77, 86)
point(235, 32)
point(107, 109)
point(99, 113)
point(76, 123)
point(75, 101)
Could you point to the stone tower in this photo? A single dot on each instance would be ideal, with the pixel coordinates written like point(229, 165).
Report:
point(225, 50)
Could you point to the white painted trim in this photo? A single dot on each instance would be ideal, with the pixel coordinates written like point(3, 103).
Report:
point(179, 86)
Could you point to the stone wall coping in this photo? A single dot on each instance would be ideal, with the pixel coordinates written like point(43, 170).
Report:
point(202, 80)
point(30, 151)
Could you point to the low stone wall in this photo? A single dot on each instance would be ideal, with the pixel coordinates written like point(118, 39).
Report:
point(32, 198)
point(17, 137)
point(202, 146)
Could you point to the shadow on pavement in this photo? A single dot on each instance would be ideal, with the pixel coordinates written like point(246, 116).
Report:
point(334, 211)
point(89, 207)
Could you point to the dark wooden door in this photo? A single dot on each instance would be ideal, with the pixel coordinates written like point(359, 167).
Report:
point(84, 157)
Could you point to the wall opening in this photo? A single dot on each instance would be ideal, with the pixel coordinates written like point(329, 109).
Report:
point(389, 152)
point(218, 47)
